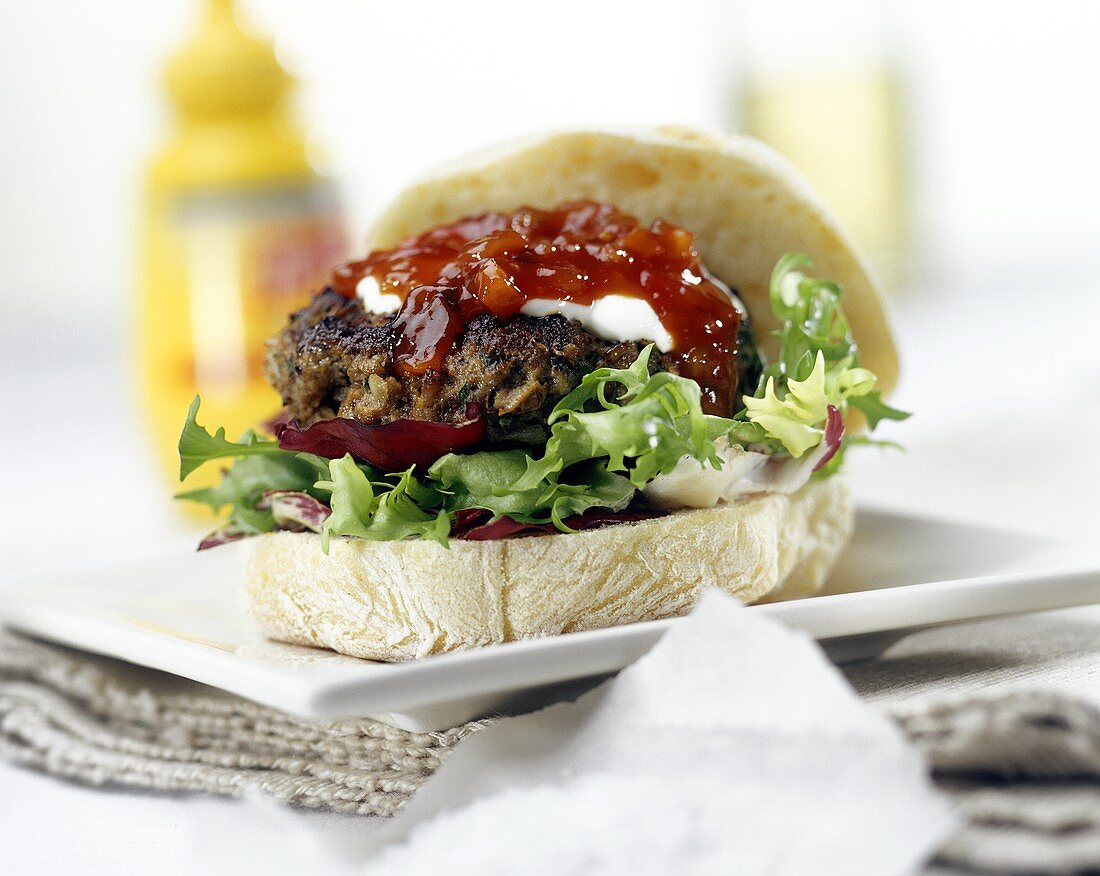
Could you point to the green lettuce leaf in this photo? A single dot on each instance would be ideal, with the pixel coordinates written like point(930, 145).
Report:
point(611, 435)
point(875, 409)
point(797, 419)
point(492, 480)
point(198, 446)
point(260, 466)
point(243, 485)
point(386, 510)
point(643, 423)
point(594, 487)
point(818, 365)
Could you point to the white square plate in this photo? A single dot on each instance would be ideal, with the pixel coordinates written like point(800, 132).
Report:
point(184, 614)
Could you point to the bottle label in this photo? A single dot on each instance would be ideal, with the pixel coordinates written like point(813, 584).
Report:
point(252, 256)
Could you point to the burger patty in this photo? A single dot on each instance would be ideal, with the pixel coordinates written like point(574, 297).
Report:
point(334, 359)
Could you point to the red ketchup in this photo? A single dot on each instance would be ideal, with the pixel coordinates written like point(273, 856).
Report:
point(577, 252)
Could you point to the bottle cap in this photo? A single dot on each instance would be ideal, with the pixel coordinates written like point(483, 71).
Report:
point(221, 70)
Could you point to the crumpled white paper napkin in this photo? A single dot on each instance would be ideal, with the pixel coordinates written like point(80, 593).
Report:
point(733, 746)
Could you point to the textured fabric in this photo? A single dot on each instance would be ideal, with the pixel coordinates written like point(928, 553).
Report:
point(99, 722)
point(1024, 768)
point(1055, 651)
point(1007, 712)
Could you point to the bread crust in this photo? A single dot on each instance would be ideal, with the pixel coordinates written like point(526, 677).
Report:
point(400, 600)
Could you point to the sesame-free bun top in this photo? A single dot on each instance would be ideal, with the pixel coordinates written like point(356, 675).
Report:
point(745, 204)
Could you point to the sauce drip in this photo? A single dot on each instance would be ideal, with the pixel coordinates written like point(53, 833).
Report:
point(577, 252)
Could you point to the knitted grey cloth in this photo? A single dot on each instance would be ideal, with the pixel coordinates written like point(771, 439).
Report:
point(97, 721)
point(1023, 768)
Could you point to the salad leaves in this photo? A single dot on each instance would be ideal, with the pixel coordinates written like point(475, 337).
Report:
point(260, 468)
point(197, 446)
point(797, 419)
point(610, 437)
point(818, 364)
point(380, 510)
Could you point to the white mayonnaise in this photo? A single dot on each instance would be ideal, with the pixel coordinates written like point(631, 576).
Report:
point(613, 318)
point(744, 473)
point(374, 300)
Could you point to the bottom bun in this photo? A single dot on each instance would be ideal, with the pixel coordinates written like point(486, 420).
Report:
point(397, 600)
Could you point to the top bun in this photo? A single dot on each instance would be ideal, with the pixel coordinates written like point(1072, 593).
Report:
point(745, 204)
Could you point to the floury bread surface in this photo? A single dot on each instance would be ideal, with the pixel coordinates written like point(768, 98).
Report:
point(399, 600)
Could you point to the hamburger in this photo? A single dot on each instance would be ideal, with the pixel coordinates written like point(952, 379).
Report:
point(574, 382)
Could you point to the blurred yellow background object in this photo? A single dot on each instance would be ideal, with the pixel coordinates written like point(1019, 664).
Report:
point(238, 230)
point(843, 129)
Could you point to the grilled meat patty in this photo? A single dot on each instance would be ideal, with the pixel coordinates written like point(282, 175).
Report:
point(334, 360)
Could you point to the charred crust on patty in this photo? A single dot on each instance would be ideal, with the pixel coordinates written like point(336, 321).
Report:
point(334, 359)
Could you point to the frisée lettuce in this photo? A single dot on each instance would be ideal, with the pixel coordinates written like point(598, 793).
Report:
point(818, 366)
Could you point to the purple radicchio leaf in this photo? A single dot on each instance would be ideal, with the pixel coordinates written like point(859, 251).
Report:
point(472, 524)
point(224, 534)
point(389, 447)
point(834, 431)
point(294, 510)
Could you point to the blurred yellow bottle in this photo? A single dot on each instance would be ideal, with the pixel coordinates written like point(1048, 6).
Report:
point(238, 231)
point(843, 129)
point(824, 84)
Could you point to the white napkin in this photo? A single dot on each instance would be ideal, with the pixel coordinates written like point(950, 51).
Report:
point(733, 746)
